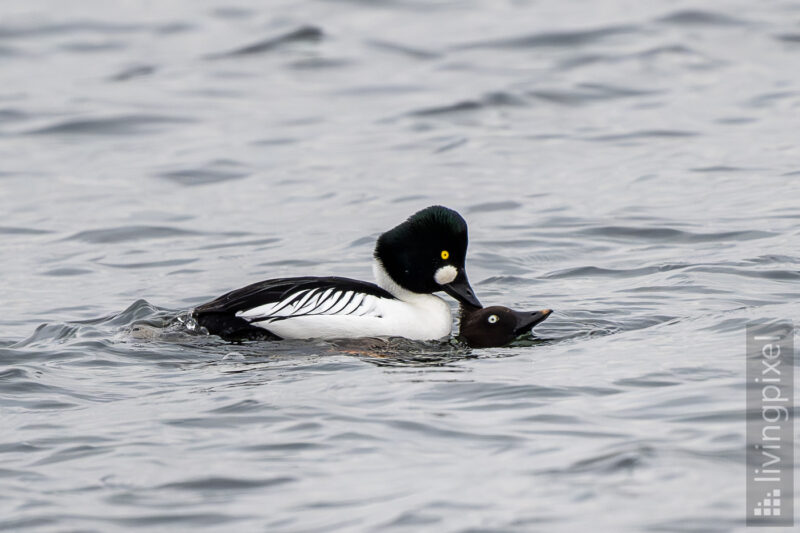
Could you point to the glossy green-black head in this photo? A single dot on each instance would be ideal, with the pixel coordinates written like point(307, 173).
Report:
point(496, 325)
point(426, 254)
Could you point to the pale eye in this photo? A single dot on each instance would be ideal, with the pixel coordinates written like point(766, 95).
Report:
point(492, 319)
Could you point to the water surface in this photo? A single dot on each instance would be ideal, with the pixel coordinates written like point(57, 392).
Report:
point(634, 166)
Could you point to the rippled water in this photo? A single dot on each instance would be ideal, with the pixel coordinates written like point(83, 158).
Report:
point(633, 165)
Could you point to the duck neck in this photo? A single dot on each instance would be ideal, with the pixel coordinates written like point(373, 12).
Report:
point(385, 281)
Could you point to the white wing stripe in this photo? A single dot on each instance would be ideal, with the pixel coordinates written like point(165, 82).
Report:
point(334, 299)
point(341, 303)
point(315, 302)
point(353, 304)
point(302, 303)
point(327, 295)
point(291, 300)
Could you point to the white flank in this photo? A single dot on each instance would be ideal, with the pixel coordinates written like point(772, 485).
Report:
point(330, 313)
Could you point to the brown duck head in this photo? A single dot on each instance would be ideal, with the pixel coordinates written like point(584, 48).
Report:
point(487, 327)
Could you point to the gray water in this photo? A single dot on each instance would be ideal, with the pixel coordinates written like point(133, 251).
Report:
point(633, 165)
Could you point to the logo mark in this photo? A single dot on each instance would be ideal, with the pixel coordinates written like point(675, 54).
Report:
point(770, 505)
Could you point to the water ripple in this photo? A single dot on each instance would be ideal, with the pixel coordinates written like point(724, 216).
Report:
point(697, 17)
point(214, 172)
point(588, 93)
point(643, 135)
point(43, 29)
point(119, 125)
point(310, 34)
point(404, 50)
point(553, 39)
point(135, 71)
point(216, 484)
point(496, 99)
point(671, 234)
point(5, 230)
point(130, 233)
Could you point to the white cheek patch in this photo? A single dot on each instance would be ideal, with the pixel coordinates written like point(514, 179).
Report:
point(445, 274)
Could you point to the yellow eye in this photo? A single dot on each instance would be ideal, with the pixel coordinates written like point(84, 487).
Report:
point(445, 254)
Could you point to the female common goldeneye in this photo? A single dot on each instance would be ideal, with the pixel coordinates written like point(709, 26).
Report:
point(423, 255)
point(496, 325)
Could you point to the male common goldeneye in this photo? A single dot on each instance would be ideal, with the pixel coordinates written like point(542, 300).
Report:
point(420, 256)
point(496, 325)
